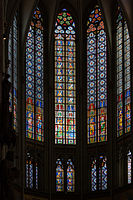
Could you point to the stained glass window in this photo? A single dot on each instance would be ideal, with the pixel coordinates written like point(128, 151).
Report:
point(59, 176)
point(98, 176)
point(29, 171)
point(70, 176)
point(34, 79)
point(96, 78)
point(129, 165)
point(36, 175)
point(93, 175)
point(102, 173)
point(65, 79)
point(123, 76)
point(12, 69)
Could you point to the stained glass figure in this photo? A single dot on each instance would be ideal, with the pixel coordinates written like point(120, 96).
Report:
point(102, 173)
point(65, 79)
point(129, 166)
point(96, 78)
point(93, 175)
point(12, 69)
point(59, 176)
point(34, 79)
point(70, 176)
point(123, 76)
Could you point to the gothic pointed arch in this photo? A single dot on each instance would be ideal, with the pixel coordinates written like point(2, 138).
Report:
point(59, 176)
point(65, 78)
point(70, 176)
point(98, 174)
point(96, 77)
point(31, 172)
point(123, 75)
point(35, 78)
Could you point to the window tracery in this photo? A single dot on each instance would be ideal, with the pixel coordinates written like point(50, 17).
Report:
point(96, 78)
point(35, 79)
point(98, 174)
point(123, 76)
point(65, 79)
